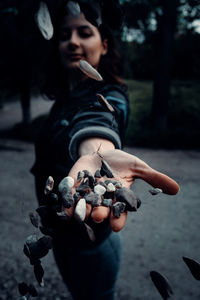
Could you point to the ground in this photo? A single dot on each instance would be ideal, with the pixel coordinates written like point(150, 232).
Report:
point(164, 229)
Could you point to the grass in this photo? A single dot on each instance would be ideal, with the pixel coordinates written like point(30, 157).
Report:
point(183, 117)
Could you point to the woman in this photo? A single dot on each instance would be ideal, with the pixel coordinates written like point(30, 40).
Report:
point(77, 134)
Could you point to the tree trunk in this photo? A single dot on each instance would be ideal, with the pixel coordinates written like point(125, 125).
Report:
point(164, 51)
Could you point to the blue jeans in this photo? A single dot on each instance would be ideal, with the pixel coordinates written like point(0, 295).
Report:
point(90, 274)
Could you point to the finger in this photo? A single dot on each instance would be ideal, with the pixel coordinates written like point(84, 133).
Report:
point(100, 213)
point(88, 210)
point(69, 211)
point(118, 223)
point(159, 180)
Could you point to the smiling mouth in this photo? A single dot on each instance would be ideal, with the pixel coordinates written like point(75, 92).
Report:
point(75, 56)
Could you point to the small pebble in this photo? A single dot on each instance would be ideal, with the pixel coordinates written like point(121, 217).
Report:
point(32, 290)
point(23, 288)
point(155, 191)
point(128, 197)
point(103, 184)
point(47, 241)
point(76, 196)
point(66, 182)
point(138, 202)
point(39, 273)
point(34, 249)
point(67, 198)
point(52, 199)
point(111, 187)
point(80, 176)
point(106, 169)
point(80, 210)
point(89, 197)
point(96, 201)
point(97, 174)
point(83, 189)
point(49, 185)
point(63, 215)
point(34, 219)
point(107, 202)
point(118, 208)
point(99, 189)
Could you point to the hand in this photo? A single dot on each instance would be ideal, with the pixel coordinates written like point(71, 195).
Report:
point(126, 168)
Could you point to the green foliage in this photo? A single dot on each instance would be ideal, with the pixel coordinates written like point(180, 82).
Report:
point(184, 116)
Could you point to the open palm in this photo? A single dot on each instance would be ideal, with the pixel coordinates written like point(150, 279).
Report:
point(126, 168)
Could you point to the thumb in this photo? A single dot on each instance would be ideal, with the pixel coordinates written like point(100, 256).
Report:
point(160, 180)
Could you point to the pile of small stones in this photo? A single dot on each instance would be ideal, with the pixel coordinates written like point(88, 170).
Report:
point(91, 190)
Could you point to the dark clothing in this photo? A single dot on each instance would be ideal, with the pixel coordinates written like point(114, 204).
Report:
point(90, 274)
point(74, 119)
point(89, 268)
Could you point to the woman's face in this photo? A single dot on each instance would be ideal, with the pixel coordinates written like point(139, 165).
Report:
point(79, 39)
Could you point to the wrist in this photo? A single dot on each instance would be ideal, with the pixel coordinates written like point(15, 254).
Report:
point(95, 145)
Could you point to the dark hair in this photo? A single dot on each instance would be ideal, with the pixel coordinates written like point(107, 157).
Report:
point(110, 65)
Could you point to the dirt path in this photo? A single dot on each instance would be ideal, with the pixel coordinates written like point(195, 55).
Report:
point(164, 229)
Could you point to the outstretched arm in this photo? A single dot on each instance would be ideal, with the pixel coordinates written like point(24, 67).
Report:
point(126, 168)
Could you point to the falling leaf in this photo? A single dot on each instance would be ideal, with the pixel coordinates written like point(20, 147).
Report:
point(193, 266)
point(162, 284)
point(104, 103)
point(43, 21)
point(73, 8)
point(91, 72)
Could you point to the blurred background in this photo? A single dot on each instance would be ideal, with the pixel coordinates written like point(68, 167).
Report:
point(160, 47)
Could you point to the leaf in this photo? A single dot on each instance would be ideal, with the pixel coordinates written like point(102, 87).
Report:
point(193, 266)
point(162, 284)
point(104, 103)
point(43, 21)
point(87, 69)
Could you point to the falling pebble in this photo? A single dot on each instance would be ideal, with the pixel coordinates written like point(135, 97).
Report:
point(23, 288)
point(34, 219)
point(86, 68)
point(194, 267)
point(162, 284)
point(80, 210)
point(39, 272)
point(155, 191)
point(49, 185)
point(43, 21)
point(32, 290)
point(47, 241)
